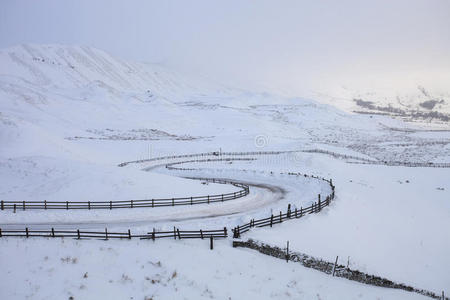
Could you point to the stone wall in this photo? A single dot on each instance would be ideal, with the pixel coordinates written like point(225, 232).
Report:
point(327, 267)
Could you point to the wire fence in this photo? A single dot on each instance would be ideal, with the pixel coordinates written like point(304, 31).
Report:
point(366, 161)
point(215, 153)
point(171, 165)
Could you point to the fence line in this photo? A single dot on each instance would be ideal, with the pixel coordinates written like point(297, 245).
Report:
point(202, 154)
point(315, 207)
point(406, 164)
point(273, 219)
point(366, 161)
point(24, 205)
point(332, 268)
point(289, 214)
point(339, 155)
point(170, 166)
point(176, 233)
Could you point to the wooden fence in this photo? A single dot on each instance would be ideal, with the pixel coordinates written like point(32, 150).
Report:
point(289, 214)
point(170, 166)
point(273, 219)
point(176, 233)
point(217, 153)
point(24, 205)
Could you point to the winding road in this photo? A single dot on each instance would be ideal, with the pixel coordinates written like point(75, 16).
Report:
point(263, 194)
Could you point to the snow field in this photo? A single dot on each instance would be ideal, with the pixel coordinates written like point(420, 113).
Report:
point(391, 221)
point(163, 270)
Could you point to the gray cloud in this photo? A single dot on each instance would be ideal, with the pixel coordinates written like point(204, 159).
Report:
point(289, 44)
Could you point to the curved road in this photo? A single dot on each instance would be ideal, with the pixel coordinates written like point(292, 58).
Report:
point(260, 196)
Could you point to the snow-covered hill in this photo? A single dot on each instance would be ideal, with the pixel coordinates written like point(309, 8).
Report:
point(412, 103)
point(69, 115)
point(52, 97)
point(57, 98)
point(60, 67)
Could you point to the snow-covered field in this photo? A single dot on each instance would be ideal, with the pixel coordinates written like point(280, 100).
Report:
point(69, 115)
point(60, 269)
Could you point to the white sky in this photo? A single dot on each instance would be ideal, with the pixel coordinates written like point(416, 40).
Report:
point(288, 44)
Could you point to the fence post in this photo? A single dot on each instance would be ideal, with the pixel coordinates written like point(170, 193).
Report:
point(23, 205)
point(179, 235)
point(281, 218)
point(45, 204)
point(53, 232)
point(224, 232)
point(106, 233)
point(271, 220)
point(201, 234)
point(208, 199)
point(26, 231)
point(287, 252)
point(153, 202)
point(129, 234)
point(89, 205)
point(191, 200)
point(78, 233)
point(0, 232)
point(67, 205)
point(2, 205)
point(14, 208)
point(131, 204)
point(174, 233)
point(335, 264)
point(211, 246)
point(173, 202)
point(301, 211)
point(110, 204)
point(288, 214)
point(222, 197)
point(153, 234)
point(319, 203)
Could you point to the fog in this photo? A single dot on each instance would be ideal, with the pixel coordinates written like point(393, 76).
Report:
point(287, 45)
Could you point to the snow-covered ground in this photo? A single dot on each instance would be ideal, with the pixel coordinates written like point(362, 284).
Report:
point(69, 115)
point(60, 269)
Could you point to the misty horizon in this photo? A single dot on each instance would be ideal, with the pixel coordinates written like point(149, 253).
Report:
point(290, 46)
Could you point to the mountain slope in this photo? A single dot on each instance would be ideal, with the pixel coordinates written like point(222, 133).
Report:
point(414, 103)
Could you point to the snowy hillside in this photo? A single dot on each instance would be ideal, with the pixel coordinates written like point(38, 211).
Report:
point(85, 69)
point(413, 103)
point(69, 115)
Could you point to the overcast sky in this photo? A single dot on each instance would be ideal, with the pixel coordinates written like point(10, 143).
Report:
point(291, 43)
